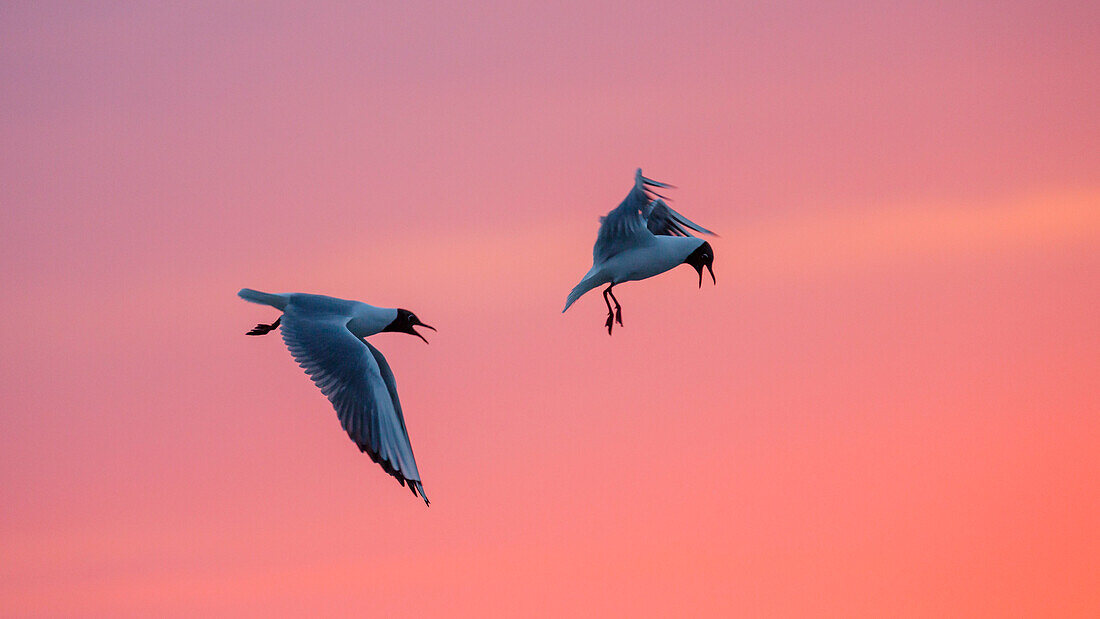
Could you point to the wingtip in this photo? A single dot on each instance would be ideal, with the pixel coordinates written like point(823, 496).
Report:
point(653, 183)
point(418, 489)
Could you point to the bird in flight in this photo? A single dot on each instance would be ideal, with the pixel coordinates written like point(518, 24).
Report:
point(640, 238)
point(325, 336)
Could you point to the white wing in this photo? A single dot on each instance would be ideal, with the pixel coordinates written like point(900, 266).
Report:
point(663, 221)
point(625, 226)
point(358, 382)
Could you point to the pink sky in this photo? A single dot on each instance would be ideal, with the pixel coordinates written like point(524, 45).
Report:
point(889, 405)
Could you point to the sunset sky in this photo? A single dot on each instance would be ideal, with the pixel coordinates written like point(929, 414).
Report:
point(889, 405)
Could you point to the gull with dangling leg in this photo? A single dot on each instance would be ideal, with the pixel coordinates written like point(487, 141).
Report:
point(640, 238)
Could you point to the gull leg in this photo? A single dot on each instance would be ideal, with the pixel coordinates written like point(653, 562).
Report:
point(610, 312)
point(262, 329)
point(618, 308)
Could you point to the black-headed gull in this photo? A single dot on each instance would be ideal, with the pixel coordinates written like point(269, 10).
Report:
point(325, 336)
point(640, 238)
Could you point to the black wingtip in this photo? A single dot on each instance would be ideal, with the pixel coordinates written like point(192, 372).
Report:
point(652, 183)
point(418, 489)
point(262, 329)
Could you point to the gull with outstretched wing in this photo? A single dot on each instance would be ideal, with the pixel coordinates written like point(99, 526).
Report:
point(325, 336)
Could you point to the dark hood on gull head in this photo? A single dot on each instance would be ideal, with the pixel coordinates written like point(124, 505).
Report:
point(405, 322)
point(703, 256)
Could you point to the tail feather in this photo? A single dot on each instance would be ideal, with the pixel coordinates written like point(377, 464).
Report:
point(277, 301)
point(588, 283)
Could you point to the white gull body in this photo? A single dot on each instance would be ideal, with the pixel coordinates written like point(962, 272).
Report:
point(325, 336)
point(640, 238)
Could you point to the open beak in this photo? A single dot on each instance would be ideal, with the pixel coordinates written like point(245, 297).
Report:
point(700, 270)
point(420, 324)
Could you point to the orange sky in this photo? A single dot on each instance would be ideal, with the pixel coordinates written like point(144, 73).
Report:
point(888, 406)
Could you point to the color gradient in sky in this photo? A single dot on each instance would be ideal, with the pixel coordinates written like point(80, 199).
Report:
point(888, 406)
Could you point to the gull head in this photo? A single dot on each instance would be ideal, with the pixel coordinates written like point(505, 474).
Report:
point(703, 256)
point(405, 322)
